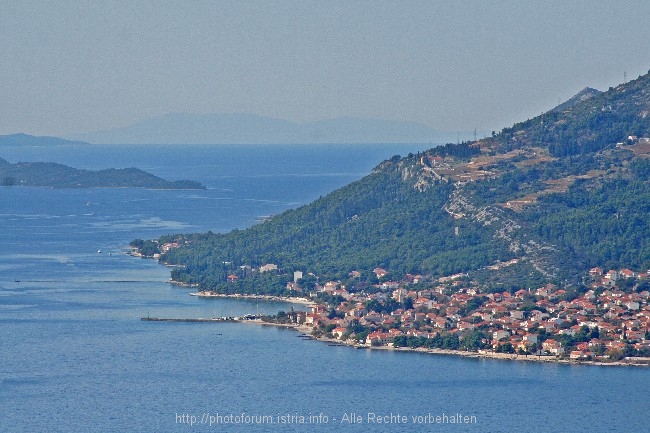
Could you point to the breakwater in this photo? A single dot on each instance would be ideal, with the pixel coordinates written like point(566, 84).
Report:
point(201, 319)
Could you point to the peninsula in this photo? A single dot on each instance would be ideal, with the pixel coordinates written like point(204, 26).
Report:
point(531, 241)
point(53, 175)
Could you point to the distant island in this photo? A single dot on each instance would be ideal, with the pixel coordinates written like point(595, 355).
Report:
point(247, 128)
point(53, 175)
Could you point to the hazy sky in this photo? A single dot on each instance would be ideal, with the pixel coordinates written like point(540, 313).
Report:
point(78, 66)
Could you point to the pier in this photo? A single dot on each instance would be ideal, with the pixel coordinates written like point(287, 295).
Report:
point(203, 320)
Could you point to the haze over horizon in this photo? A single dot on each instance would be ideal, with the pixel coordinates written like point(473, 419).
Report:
point(82, 66)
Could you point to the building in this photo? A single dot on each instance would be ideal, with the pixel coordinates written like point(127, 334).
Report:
point(268, 267)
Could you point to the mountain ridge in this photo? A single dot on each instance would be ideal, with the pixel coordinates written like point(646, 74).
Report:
point(582, 96)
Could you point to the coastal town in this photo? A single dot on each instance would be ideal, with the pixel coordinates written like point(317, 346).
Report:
point(608, 322)
point(455, 208)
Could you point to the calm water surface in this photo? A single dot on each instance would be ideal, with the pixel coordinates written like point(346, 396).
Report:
point(74, 356)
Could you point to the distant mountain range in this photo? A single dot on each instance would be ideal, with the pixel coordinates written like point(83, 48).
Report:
point(243, 128)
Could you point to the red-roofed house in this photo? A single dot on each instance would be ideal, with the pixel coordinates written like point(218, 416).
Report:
point(553, 347)
point(380, 272)
point(338, 332)
point(596, 271)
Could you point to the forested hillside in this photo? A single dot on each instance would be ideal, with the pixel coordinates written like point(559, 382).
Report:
point(542, 201)
point(379, 221)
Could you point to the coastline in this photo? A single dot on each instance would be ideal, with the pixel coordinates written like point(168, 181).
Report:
point(481, 354)
point(306, 330)
point(626, 362)
point(291, 299)
point(580, 359)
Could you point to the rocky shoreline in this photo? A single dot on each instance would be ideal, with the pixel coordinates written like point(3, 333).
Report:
point(306, 330)
point(480, 354)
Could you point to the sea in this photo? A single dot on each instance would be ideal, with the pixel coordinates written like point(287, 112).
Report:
point(75, 356)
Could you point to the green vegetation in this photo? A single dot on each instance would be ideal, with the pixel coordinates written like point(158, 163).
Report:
point(580, 193)
point(604, 226)
point(586, 127)
point(145, 247)
point(472, 341)
point(379, 221)
point(60, 176)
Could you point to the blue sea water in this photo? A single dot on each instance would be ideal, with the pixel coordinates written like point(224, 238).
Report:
point(74, 356)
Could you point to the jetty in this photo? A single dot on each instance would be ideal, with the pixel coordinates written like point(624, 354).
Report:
point(203, 320)
point(210, 320)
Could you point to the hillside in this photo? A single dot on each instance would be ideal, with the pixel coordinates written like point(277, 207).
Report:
point(55, 175)
point(542, 201)
point(582, 96)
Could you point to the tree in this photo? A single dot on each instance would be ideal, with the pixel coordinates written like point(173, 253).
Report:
point(595, 333)
point(473, 340)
